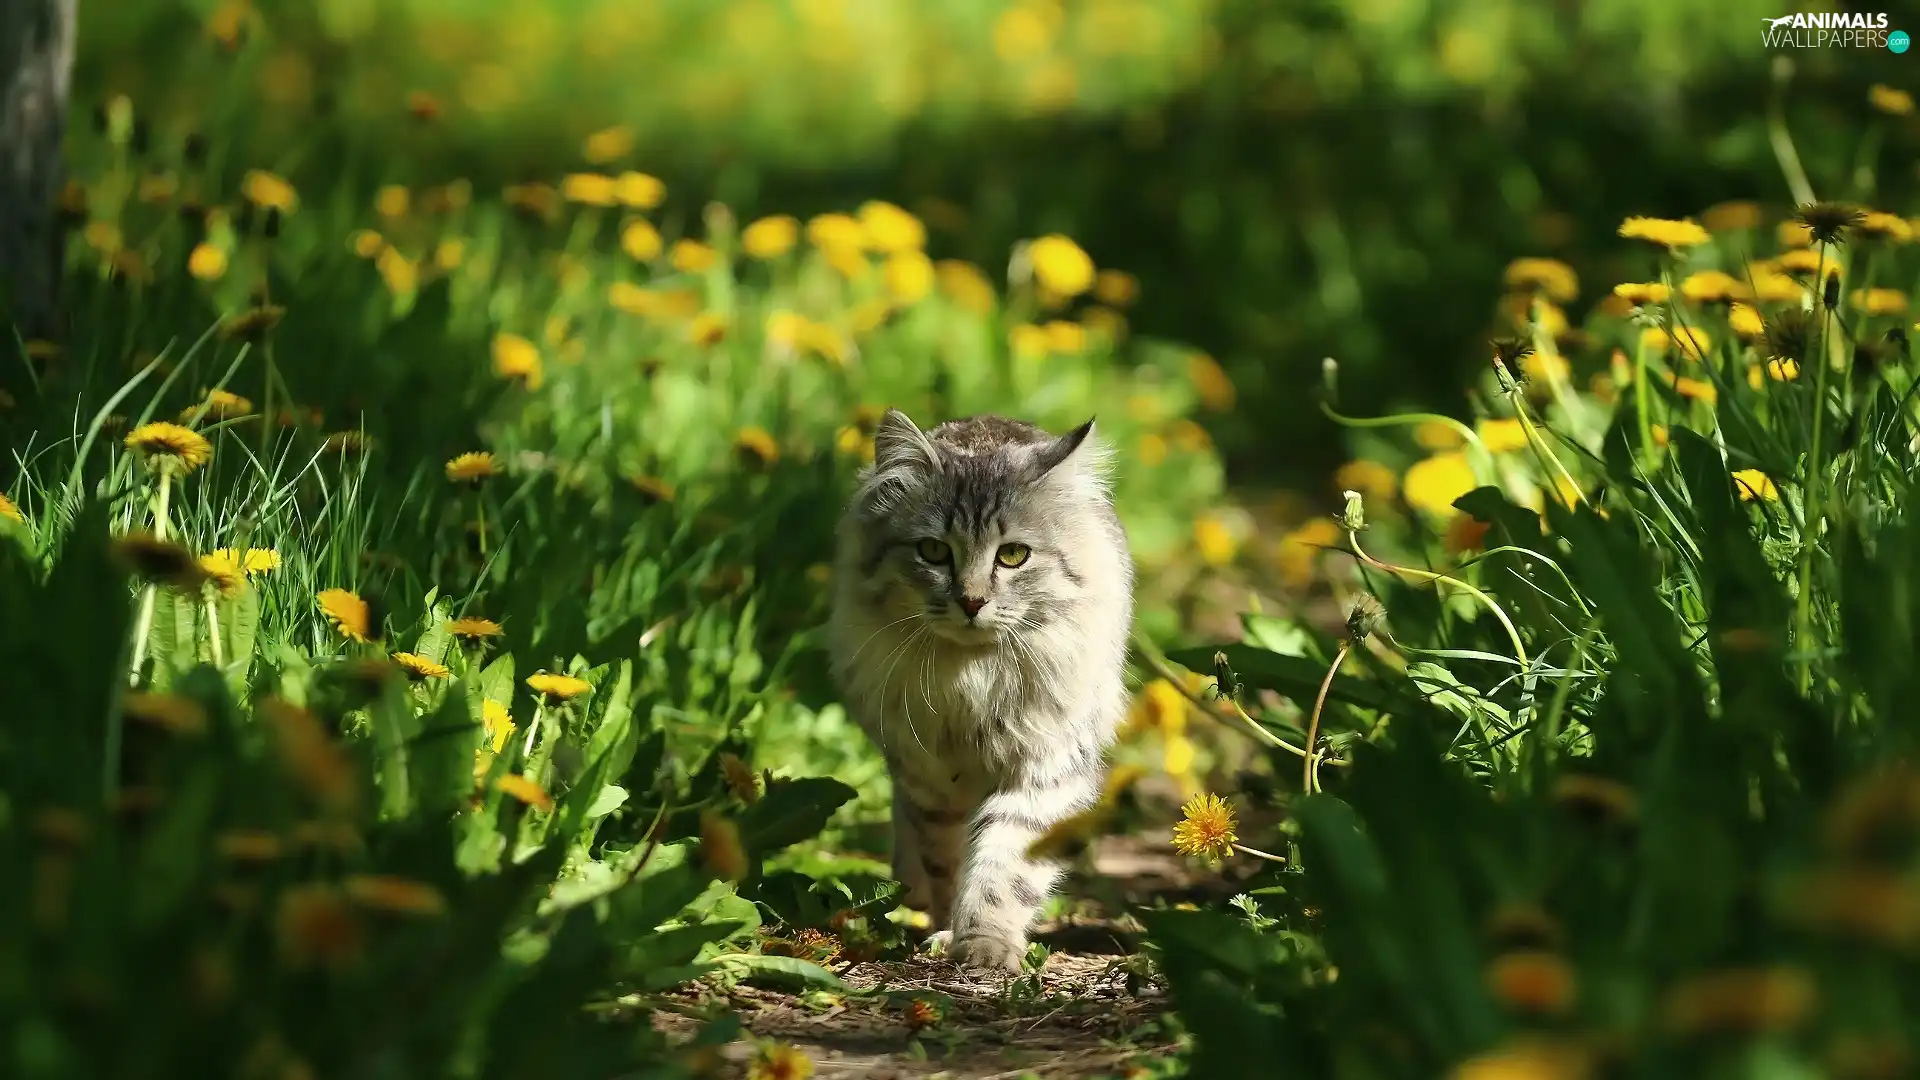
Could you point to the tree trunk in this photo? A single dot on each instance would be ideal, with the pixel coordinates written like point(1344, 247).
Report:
point(36, 66)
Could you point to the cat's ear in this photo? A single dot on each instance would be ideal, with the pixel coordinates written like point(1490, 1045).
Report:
point(899, 443)
point(1062, 449)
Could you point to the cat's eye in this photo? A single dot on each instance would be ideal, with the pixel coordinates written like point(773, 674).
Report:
point(933, 551)
point(1012, 555)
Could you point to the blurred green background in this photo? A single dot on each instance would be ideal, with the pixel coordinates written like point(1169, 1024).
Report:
point(1289, 181)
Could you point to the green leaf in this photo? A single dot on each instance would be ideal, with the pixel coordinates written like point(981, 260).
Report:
point(792, 811)
point(610, 798)
point(789, 971)
point(1294, 677)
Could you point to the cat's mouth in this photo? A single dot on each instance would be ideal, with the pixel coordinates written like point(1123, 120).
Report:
point(968, 633)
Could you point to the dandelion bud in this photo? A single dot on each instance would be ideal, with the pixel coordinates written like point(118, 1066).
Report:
point(1353, 516)
point(1364, 618)
point(1830, 292)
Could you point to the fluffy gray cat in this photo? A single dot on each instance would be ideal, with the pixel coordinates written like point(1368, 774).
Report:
point(982, 605)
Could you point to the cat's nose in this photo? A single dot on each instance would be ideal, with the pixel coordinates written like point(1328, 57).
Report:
point(972, 605)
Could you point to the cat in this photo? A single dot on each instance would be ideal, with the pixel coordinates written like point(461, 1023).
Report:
point(983, 602)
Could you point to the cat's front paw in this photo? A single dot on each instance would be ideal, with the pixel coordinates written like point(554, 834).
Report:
point(995, 952)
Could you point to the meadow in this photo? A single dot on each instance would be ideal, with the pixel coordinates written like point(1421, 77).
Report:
point(411, 583)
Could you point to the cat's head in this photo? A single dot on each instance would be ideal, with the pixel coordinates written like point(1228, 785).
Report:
point(986, 527)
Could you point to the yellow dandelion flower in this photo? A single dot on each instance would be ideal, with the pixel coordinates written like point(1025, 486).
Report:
point(740, 779)
point(641, 241)
point(1744, 1001)
point(1744, 320)
point(316, 927)
point(157, 561)
point(1065, 338)
point(1116, 288)
point(757, 445)
point(206, 262)
point(252, 324)
point(1028, 341)
point(1879, 225)
point(1731, 216)
point(473, 467)
point(693, 257)
point(1205, 828)
point(388, 892)
point(779, 1061)
point(1695, 389)
point(639, 191)
point(269, 192)
point(652, 487)
point(829, 231)
point(1465, 533)
point(1880, 301)
point(588, 189)
point(1783, 370)
point(966, 285)
point(474, 628)
point(1434, 435)
point(392, 201)
point(1794, 234)
point(707, 328)
point(448, 254)
point(1800, 261)
point(1160, 707)
point(253, 560)
point(223, 573)
point(171, 446)
point(11, 510)
point(1692, 341)
point(1211, 382)
point(366, 243)
point(1771, 286)
point(1214, 540)
point(1548, 277)
point(535, 200)
point(1374, 481)
point(219, 405)
point(770, 237)
point(608, 145)
point(400, 274)
point(889, 229)
point(1597, 798)
point(350, 615)
point(826, 342)
point(1753, 484)
point(720, 847)
point(498, 724)
point(1530, 1058)
point(558, 688)
point(1532, 981)
point(525, 790)
point(1889, 100)
point(1503, 436)
point(418, 668)
point(1665, 232)
point(1713, 287)
point(1060, 265)
point(514, 357)
point(171, 713)
point(1432, 484)
point(310, 754)
point(1642, 294)
point(1298, 553)
point(908, 276)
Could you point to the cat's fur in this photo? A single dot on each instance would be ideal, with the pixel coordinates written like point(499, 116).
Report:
point(995, 727)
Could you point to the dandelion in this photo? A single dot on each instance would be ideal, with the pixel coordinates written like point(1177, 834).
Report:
point(889, 229)
point(1065, 338)
point(253, 324)
point(708, 328)
point(1205, 828)
point(344, 443)
point(1665, 232)
point(1774, 287)
point(588, 189)
point(1642, 294)
point(1432, 484)
point(1532, 981)
point(966, 285)
point(1116, 288)
point(316, 926)
point(473, 628)
point(389, 892)
point(1828, 222)
point(1885, 227)
point(1731, 216)
point(638, 191)
point(1802, 261)
point(473, 467)
point(908, 276)
point(169, 447)
point(1214, 540)
point(269, 192)
point(1692, 341)
point(1060, 265)
point(514, 357)
point(1597, 798)
point(223, 573)
point(1745, 321)
point(11, 510)
point(418, 668)
point(1550, 278)
point(1504, 435)
point(1211, 382)
point(1466, 533)
point(206, 262)
point(400, 274)
point(350, 615)
point(921, 1014)
point(779, 1061)
point(1880, 301)
point(158, 562)
point(171, 713)
point(756, 445)
point(1745, 1001)
point(497, 723)
point(740, 779)
point(558, 688)
point(392, 200)
point(1528, 1058)
point(309, 754)
point(770, 237)
point(1371, 479)
point(652, 487)
point(830, 231)
point(1888, 100)
point(1713, 287)
point(525, 790)
point(720, 846)
point(693, 257)
point(1753, 484)
point(608, 145)
point(539, 201)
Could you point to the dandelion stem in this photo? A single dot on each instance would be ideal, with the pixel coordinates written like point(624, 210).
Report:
point(1313, 723)
point(1257, 853)
point(213, 632)
point(150, 595)
point(1641, 402)
point(1164, 670)
point(1812, 514)
point(1482, 461)
point(1548, 459)
point(1513, 635)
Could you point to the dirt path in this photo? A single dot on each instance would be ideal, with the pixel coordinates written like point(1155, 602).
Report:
point(1091, 1011)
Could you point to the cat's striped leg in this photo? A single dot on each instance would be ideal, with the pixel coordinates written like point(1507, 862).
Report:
point(929, 837)
point(1001, 887)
